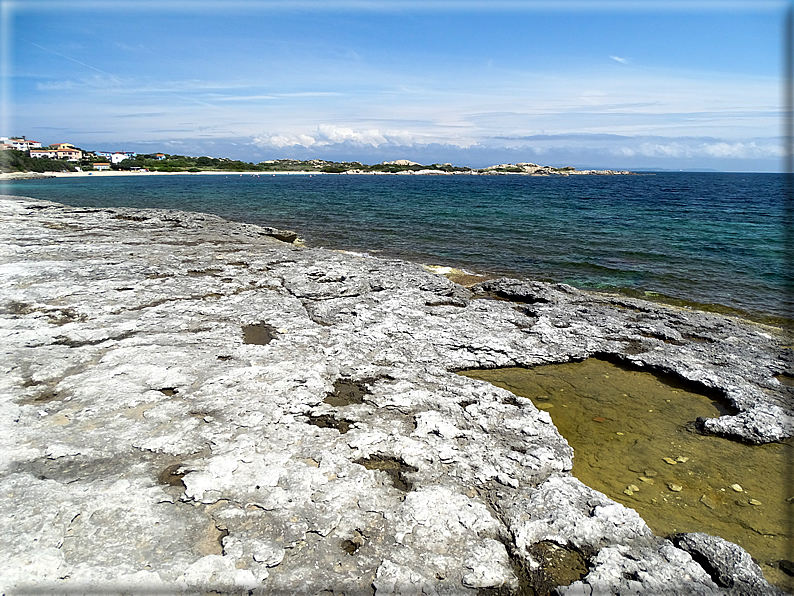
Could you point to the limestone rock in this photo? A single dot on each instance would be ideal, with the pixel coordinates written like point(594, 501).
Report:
point(736, 360)
point(731, 567)
point(151, 441)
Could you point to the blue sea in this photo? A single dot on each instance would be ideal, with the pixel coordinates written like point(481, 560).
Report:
point(708, 240)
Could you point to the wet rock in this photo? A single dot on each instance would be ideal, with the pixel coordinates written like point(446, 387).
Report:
point(623, 554)
point(731, 567)
point(287, 236)
point(557, 566)
point(690, 345)
point(658, 569)
point(190, 405)
point(259, 334)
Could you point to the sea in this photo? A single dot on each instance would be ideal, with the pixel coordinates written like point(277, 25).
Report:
point(707, 240)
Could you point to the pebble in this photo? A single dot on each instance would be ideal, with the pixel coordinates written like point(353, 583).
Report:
point(676, 488)
point(647, 480)
point(737, 488)
point(682, 459)
point(754, 502)
point(669, 460)
point(650, 473)
point(634, 487)
point(708, 502)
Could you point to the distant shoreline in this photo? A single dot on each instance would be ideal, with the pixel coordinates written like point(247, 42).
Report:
point(114, 173)
point(143, 165)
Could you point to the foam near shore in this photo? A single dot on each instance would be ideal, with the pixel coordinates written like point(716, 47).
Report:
point(192, 405)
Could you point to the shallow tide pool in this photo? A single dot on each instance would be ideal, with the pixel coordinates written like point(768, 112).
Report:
point(633, 438)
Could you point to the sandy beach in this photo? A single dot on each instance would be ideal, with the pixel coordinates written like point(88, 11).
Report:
point(116, 173)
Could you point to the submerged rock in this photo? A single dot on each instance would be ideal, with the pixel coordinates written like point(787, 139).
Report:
point(190, 405)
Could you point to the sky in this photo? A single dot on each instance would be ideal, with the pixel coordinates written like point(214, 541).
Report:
point(634, 84)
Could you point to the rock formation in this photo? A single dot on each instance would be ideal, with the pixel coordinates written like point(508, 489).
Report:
point(192, 405)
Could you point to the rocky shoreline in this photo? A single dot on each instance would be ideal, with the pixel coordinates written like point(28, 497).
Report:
point(26, 175)
point(192, 405)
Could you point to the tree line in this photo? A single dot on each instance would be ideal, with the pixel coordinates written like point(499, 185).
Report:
point(12, 160)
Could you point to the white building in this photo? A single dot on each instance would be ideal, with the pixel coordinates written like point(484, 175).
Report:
point(43, 153)
point(20, 143)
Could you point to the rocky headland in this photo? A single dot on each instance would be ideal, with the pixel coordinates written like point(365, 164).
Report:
point(191, 405)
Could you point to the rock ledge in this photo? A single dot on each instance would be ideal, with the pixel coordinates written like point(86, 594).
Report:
point(190, 405)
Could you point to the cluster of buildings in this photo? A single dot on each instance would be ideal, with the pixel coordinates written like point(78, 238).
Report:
point(68, 152)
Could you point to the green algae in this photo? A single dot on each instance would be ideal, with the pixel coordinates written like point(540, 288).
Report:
point(634, 439)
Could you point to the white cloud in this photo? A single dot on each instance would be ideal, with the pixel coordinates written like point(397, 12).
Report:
point(744, 150)
point(58, 85)
point(619, 59)
point(719, 149)
point(279, 141)
point(329, 134)
point(311, 94)
point(241, 97)
point(665, 149)
point(94, 82)
point(333, 134)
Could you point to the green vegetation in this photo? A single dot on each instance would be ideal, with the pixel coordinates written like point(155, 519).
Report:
point(183, 163)
point(19, 161)
point(12, 160)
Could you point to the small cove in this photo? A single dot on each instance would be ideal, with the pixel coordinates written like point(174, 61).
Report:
point(633, 438)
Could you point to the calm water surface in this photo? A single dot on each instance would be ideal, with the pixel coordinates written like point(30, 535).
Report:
point(708, 238)
point(631, 432)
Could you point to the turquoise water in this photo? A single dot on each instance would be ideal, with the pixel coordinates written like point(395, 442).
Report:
point(708, 238)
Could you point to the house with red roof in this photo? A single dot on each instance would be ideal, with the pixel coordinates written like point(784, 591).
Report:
point(21, 143)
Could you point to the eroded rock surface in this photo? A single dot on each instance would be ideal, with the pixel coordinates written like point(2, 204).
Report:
point(730, 566)
point(191, 405)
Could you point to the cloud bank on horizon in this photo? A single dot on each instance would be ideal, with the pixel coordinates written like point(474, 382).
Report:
point(474, 84)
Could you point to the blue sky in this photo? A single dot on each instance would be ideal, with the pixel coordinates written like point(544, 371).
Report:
point(622, 84)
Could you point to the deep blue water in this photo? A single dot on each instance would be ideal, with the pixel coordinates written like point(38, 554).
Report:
point(708, 238)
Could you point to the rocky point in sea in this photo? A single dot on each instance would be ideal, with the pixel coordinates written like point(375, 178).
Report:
point(191, 405)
